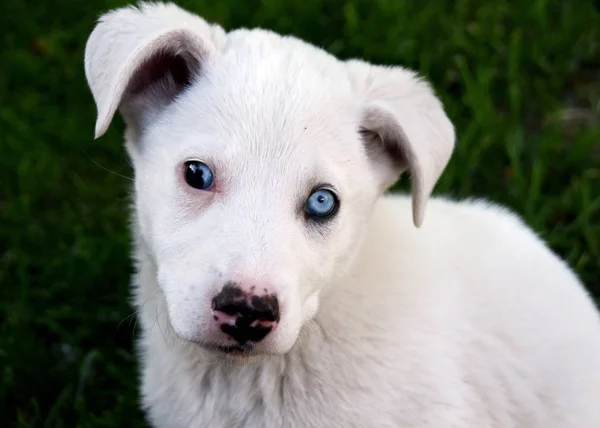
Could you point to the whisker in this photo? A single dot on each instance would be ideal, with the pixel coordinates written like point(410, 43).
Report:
point(107, 169)
point(128, 317)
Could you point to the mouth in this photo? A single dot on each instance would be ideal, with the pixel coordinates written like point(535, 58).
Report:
point(239, 350)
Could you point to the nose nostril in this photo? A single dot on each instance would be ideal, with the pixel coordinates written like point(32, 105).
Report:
point(266, 307)
point(264, 316)
point(229, 310)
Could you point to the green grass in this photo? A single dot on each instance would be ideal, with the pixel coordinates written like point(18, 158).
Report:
point(511, 73)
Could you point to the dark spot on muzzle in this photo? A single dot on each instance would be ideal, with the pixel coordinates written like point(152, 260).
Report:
point(255, 315)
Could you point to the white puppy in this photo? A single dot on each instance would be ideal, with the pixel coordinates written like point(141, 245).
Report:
point(278, 287)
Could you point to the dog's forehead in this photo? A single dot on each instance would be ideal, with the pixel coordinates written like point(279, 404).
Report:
point(283, 59)
point(261, 75)
point(268, 96)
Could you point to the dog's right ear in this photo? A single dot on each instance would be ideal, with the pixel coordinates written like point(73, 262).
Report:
point(139, 59)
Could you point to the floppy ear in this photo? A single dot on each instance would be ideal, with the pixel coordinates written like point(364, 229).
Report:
point(404, 127)
point(139, 59)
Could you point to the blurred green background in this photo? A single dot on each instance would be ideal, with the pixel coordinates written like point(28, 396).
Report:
point(520, 79)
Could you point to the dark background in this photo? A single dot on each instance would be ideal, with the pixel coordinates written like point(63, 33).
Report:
point(520, 79)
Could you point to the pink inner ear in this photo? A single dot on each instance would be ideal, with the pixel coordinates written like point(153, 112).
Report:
point(381, 143)
point(162, 67)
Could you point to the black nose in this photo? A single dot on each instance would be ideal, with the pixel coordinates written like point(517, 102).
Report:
point(249, 317)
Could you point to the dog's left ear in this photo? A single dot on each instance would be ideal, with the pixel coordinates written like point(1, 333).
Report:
point(404, 128)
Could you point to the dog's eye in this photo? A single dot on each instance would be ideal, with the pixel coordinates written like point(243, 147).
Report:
point(198, 175)
point(321, 203)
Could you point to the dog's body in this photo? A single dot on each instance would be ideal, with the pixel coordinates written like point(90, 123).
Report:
point(277, 287)
point(424, 332)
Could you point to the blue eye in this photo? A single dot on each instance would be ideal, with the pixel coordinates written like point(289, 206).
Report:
point(321, 203)
point(198, 175)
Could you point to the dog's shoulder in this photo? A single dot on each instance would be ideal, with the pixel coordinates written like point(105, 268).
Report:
point(449, 222)
point(472, 242)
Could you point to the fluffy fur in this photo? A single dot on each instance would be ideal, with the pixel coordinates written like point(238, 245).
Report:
point(467, 320)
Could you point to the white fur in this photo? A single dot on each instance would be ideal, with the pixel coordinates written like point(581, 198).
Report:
point(468, 321)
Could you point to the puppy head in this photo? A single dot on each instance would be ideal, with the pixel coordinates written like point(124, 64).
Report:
point(258, 159)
